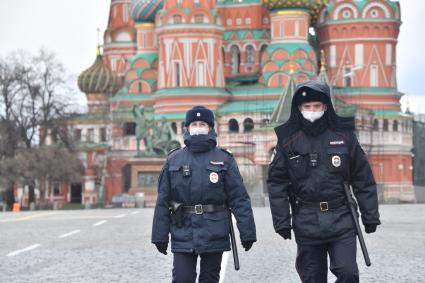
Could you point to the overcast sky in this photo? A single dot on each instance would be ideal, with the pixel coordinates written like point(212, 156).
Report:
point(68, 27)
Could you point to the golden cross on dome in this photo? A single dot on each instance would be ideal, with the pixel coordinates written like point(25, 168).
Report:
point(98, 41)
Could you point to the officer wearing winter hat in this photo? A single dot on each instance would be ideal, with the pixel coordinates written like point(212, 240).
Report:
point(317, 153)
point(198, 185)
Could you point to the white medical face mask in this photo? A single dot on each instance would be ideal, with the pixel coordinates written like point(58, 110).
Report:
point(198, 131)
point(312, 116)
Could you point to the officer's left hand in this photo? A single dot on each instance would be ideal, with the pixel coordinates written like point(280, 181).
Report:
point(370, 228)
point(162, 247)
point(285, 233)
point(247, 245)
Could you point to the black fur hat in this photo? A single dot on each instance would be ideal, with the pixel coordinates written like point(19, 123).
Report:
point(306, 94)
point(199, 113)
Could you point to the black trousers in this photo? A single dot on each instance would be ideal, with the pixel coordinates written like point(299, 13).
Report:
point(312, 261)
point(184, 267)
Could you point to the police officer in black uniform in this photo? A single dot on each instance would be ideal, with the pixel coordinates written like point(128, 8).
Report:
point(197, 186)
point(316, 153)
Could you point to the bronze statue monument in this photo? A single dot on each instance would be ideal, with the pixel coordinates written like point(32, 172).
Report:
point(158, 140)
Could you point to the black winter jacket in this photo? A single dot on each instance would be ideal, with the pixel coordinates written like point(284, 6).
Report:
point(340, 159)
point(207, 232)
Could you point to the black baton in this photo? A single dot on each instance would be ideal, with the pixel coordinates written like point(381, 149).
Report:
point(233, 242)
point(352, 206)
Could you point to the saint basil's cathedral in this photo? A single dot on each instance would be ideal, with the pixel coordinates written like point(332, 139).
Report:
point(242, 59)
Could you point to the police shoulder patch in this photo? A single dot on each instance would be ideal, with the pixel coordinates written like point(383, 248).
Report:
point(226, 151)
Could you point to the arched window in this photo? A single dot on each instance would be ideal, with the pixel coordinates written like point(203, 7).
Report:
point(347, 76)
point(250, 55)
point(385, 126)
point(363, 123)
point(199, 18)
point(265, 122)
point(77, 134)
point(182, 126)
point(177, 19)
point(395, 126)
point(102, 134)
point(125, 13)
point(177, 73)
point(248, 125)
point(174, 127)
point(262, 51)
point(373, 75)
point(233, 126)
point(235, 59)
point(54, 135)
point(375, 124)
point(129, 129)
point(123, 37)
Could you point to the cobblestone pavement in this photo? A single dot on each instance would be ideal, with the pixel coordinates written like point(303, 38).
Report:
point(114, 246)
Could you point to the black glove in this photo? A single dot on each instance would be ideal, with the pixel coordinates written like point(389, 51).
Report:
point(162, 247)
point(247, 245)
point(370, 228)
point(285, 233)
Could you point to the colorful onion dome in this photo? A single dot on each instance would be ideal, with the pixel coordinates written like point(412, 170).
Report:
point(145, 10)
point(98, 78)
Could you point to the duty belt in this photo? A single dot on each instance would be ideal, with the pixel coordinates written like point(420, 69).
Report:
point(323, 205)
point(203, 208)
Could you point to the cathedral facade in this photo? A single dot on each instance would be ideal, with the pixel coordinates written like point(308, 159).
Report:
point(242, 59)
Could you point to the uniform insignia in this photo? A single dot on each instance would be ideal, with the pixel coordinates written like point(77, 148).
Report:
point(336, 142)
point(217, 163)
point(198, 114)
point(336, 161)
point(214, 177)
point(304, 93)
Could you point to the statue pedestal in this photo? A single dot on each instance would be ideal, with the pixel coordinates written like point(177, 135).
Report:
point(142, 177)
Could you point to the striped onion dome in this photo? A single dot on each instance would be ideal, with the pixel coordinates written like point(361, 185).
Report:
point(145, 10)
point(98, 78)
